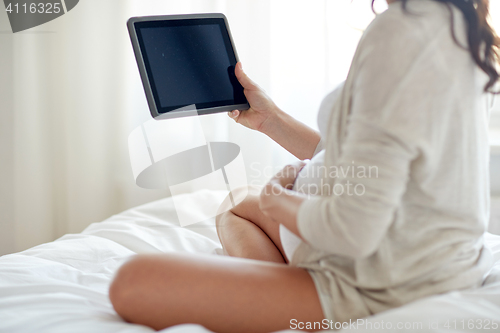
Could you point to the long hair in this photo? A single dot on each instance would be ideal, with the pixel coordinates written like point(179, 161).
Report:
point(483, 42)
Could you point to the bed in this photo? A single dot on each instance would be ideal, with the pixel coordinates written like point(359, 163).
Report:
point(62, 286)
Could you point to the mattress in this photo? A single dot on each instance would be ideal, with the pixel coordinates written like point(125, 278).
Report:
point(62, 286)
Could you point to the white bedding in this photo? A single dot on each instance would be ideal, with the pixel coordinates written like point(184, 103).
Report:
point(62, 286)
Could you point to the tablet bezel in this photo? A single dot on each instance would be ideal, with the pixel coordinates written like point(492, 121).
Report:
point(146, 80)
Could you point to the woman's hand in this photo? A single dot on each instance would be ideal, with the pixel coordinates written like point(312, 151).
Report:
point(264, 116)
point(278, 202)
point(287, 176)
point(262, 108)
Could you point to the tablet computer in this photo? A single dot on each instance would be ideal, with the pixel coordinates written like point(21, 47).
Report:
point(186, 62)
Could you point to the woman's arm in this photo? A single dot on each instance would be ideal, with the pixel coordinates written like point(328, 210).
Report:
point(398, 98)
point(352, 220)
point(264, 116)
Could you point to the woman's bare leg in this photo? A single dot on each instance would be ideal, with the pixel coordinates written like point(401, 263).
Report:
point(246, 232)
point(223, 294)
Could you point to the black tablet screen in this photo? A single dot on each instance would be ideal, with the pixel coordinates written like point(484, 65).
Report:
point(189, 62)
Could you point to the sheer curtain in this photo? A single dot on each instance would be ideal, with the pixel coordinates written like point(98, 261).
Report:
point(71, 94)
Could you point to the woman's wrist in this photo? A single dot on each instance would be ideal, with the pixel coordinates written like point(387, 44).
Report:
point(291, 134)
point(274, 123)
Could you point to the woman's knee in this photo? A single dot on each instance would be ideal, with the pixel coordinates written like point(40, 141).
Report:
point(247, 206)
point(237, 197)
point(127, 285)
point(246, 198)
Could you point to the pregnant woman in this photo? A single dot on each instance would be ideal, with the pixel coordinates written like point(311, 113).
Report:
point(391, 208)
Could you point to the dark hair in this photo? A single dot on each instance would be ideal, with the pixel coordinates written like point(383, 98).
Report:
point(484, 43)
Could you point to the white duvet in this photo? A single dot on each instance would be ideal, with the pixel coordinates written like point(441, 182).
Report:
point(62, 286)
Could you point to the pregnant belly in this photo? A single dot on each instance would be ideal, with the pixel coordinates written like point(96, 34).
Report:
point(308, 181)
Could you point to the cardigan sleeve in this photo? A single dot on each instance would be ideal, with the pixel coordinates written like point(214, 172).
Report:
point(395, 72)
point(353, 219)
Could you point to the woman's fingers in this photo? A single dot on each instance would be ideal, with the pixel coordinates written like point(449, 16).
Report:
point(235, 114)
point(287, 176)
point(245, 81)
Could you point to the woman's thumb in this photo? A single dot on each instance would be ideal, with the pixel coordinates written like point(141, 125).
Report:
point(234, 114)
point(245, 81)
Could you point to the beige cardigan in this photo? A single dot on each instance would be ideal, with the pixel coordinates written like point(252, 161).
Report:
point(413, 107)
